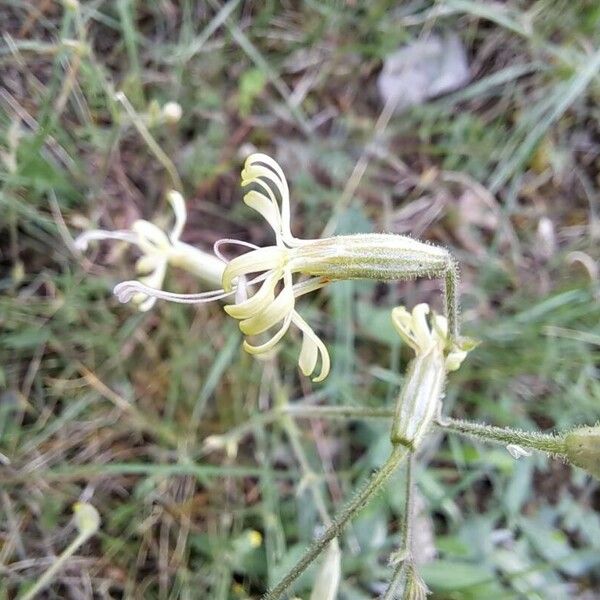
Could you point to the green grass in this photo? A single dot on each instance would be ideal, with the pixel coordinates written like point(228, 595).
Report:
point(100, 402)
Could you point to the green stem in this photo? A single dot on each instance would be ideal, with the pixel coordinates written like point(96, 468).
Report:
point(158, 152)
point(451, 300)
point(360, 500)
point(543, 442)
point(291, 430)
point(338, 412)
point(399, 574)
point(236, 434)
point(47, 577)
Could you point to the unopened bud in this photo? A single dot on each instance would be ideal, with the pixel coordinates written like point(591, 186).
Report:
point(172, 112)
point(421, 395)
point(420, 398)
point(71, 4)
point(87, 518)
point(582, 448)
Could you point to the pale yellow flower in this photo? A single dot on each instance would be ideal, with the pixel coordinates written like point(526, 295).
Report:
point(267, 273)
point(159, 248)
point(268, 307)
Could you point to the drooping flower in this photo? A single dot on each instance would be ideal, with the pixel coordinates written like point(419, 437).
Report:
point(271, 267)
point(268, 272)
point(160, 248)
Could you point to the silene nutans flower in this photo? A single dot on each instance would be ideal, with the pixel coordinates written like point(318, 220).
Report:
point(159, 248)
point(262, 280)
point(420, 399)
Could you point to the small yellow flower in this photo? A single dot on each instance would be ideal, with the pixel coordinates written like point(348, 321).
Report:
point(255, 538)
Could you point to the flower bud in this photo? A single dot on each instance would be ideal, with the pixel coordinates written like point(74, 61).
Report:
point(420, 398)
point(582, 448)
point(328, 577)
point(172, 112)
point(421, 395)
point(87, 518)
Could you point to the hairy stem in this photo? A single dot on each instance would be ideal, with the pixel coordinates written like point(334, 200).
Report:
point(451, 300)
point(544, 442)
point(360, 500)
point(404, 552)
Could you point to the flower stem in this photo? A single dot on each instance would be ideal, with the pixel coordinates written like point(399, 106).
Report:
point(360, 500)
point(47, 577)
point(451, 300)
point(543, 442)
point(338, 412)
point(293, 434)
point(403, 554)
point(160, 154)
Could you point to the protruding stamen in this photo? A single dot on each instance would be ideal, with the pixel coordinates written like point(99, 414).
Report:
point(126, 290)
point(233, 242)
point(310, 285)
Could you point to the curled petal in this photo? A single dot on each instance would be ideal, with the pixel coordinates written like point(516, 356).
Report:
point(402, 321)
point(147, 263)
point(260, 165)
point(455, 358)
point(270, 344)
point(309, 353)
point(263, 259)
point(311, 346)
point(310, 285)
point(83, 239)
point(178, 205)
point(144, 303)
point(153, 280)
point(414, 329)
point(420, 327)
point(152, 239)
point(273, 312)
point(267, 208)
point(264, 296)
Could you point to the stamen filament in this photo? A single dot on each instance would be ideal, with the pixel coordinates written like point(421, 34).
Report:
point(126, 290)
point(226, 241)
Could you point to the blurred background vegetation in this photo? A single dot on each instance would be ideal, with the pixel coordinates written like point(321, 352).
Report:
point(109, 405)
